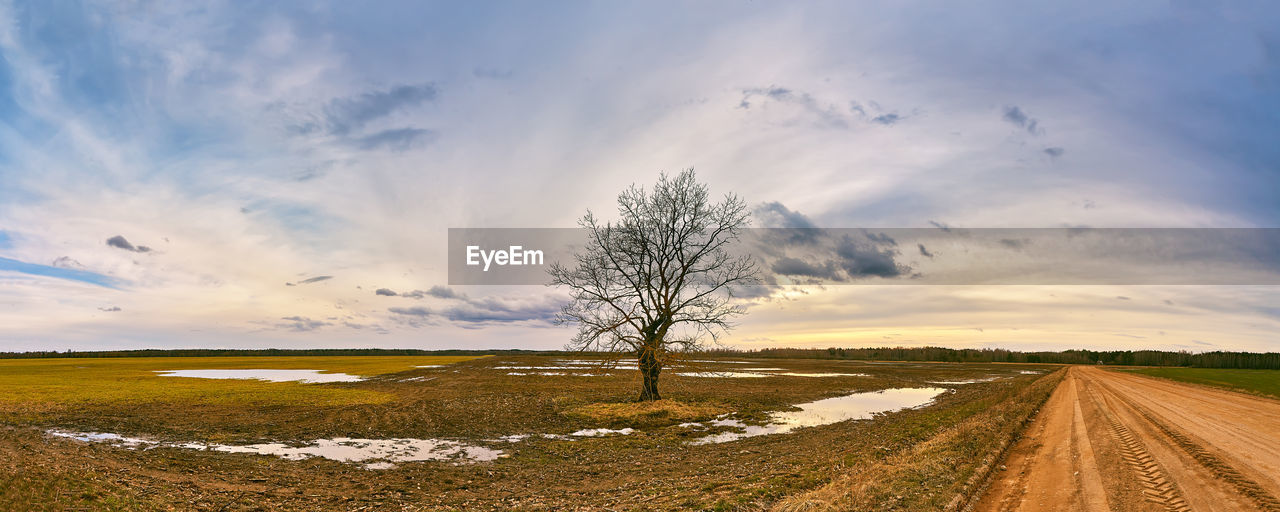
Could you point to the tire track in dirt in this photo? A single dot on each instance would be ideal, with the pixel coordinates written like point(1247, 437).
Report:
point(1150, 443)
point(1219, 468)
point(1158, 488)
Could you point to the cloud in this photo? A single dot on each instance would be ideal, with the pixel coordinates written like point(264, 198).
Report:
point(789, 266)
point(111, 309)
point(945, 228)
point(886, 119)
point(1054, 152)
point(302, 323)
point(1122, 297)
point(345, 115)
point(1014, 244)
point(398, 139)
point(1016, 116)
point(385, 291)
point(120, 243)
point(924, 252)
point(315, 279)
point(67, 262)
point(469, 312)
point(413, 311)
point(861, 258)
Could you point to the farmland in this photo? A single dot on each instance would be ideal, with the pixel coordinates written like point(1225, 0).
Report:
point(522, 432)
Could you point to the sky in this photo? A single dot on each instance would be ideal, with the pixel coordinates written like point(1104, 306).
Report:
point(192, 174)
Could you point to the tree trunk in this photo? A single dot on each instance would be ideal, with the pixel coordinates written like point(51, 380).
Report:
point(649, 368)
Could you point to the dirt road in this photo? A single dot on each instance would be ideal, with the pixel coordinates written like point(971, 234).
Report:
point(1109, 440)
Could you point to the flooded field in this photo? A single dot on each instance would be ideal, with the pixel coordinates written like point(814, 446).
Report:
point(491, 433)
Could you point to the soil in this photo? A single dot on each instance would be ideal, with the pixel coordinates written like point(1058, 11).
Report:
point(1110, 440)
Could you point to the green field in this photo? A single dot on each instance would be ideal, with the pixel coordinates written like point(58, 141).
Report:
point(1260, 382)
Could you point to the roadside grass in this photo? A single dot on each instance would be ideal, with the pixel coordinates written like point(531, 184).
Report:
point(34, 385)
point(942, 460)
point(1258, 382)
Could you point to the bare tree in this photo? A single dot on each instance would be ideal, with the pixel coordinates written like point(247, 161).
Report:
point(659, 280)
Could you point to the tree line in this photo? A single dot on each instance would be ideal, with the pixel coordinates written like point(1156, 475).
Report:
point(1216, 359)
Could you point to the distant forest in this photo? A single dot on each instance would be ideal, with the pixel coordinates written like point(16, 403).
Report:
point(1269, 360)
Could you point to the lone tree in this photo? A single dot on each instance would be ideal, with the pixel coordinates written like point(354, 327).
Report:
point(659, 280)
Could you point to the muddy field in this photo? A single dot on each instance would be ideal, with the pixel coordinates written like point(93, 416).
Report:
point(1112, 440)
point(530, 433)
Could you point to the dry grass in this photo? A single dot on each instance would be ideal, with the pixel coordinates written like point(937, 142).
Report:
point(941, 473)
point(652, 469)
point(645, 414)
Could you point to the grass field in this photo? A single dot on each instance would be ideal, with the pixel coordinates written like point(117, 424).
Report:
point(1260, 382)
point(478, 400)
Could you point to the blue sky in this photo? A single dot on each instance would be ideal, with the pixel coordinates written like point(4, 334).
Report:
point(247, 146)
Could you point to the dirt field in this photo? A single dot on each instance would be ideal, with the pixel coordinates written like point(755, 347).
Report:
point(915, 459)
point(1110, 440)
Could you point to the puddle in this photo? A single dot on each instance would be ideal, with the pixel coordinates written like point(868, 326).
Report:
point(375, 453)
point(562, 373)
point(966, 381)
point(732, 375)
point(857, 406)
point(597, 432)
point(760, 369)
point(304, 376)
point(430, 366)
point(797, 374)
point(1030, 372)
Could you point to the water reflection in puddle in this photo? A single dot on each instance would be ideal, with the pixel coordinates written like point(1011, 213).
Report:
point(304, 376)
point(732, 375)
point(375, 453)
point(797, 374)
point(857, 406)
point(965, 381)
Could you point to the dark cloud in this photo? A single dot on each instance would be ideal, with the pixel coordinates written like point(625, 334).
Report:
point(385, 291)
point(302, 323)
point(1054, 152)
point(398, 139)
point(865, 258)
point(120, 243)
point(1016, 116)
point(924, 252)
point(787, 226)
point(414, 311)
point(1014, 244)
point(315, 279)
point(470, 312)
point(1121, 297)
point(945, 228)
point(347, 114)
point(66, 262)
point(788, 266)
point(444, 292)
point(1168, 302)
point(886, 119)
point(882, 238)
point(111, 309)
point(771, 92)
